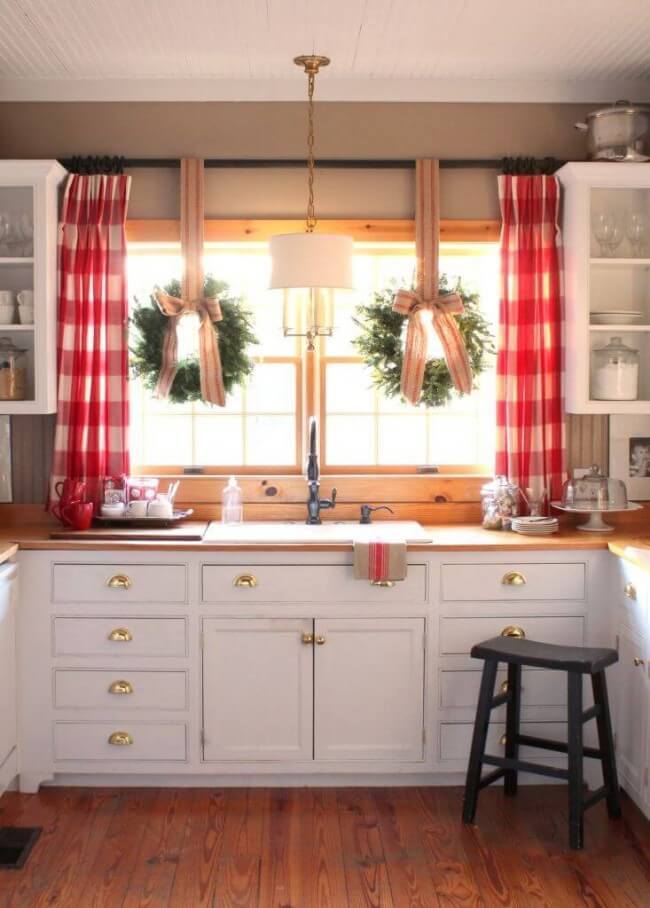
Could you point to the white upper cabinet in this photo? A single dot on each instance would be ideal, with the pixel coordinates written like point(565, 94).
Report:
point(606, 232)
point(28, 285)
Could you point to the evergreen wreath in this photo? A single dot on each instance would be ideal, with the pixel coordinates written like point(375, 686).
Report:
point(381, 344)
point(234, 332)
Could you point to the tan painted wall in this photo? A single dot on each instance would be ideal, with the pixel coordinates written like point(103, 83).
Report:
point(250, 130)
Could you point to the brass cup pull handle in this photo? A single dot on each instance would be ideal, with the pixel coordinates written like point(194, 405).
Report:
point(513, 631)
point(119, 582)
point(320, 640)
point(120, 635)
point(638, 661)
point(247, 581)
point(384, 584)
point(504, 687)
point(630, 590)
point(120, 739)
point(121, 687)
point(307, 639)
point(513, 578)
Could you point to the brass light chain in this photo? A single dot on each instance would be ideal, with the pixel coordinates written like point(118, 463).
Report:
point(311, 210)
point(311, 64)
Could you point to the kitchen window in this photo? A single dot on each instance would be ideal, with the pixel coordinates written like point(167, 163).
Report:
point(261, 429)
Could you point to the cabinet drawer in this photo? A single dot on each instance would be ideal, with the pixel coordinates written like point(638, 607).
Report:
point(459, 635)
point(119, 583)
point(159, 741)
point(119, 636)
point(456, 740)
point(305, 583)
point(509, 582)
point(126, 689)
point(459, 689)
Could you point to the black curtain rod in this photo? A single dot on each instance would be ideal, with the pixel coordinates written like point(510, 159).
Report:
point(325, 164)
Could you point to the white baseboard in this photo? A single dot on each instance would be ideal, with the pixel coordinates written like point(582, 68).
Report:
point(9, 772)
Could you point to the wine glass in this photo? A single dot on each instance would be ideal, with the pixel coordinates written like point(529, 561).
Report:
point(608, 233)
point(636, 228)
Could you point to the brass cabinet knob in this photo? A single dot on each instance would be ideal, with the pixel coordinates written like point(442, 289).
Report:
point(504, 687)
point(630, 590)
point(512, 630)
point(638, 661)
point(320, 640)
point(503, 740)
point(120, 635)
point(119, 582)
point(248, 581)
point(513, 578)
point(121, 687)
point(307, 639)
point(120, 739)
point(384, 584)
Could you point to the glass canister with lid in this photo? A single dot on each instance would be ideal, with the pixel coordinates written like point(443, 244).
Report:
point(615, 371)
point(499, 503)
point(13, 370)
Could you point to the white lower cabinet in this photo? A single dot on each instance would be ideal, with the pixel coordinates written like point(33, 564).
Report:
point(258, 679)
point(369, 689)
point(631, 706)
point(301, 689)
point(7, 671)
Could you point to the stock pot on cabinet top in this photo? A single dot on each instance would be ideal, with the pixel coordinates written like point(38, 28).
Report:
point(618, 133)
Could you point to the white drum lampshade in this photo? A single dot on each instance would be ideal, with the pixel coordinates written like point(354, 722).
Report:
point(311, 260)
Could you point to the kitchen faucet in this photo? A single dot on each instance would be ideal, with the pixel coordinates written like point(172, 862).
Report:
point(315, 503)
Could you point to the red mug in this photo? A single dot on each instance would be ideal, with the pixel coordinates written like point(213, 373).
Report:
point(78, 514)
point(68, 490)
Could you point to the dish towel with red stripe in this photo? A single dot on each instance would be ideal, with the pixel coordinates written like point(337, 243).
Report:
point(376, 560)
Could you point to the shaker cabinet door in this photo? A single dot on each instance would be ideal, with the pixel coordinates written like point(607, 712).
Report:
point(7, 662)
point(632, 703)
point(258, 689)
point(369, 689)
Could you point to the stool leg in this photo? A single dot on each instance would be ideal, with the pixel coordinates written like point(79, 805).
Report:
point(513, 712)
point(574, 684)
point(606, 743)
point(478, 740)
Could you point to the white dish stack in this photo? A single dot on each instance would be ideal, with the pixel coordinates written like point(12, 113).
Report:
point(535, 526)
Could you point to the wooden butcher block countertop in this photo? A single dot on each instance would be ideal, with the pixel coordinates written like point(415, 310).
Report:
point(446, 537)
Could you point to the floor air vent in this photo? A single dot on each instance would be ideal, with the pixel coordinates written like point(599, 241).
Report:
point(16, 842)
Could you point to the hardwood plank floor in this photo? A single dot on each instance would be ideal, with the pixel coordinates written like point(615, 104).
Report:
point(320, 848)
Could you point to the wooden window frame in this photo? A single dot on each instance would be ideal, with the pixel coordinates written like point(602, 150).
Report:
point(309, 375)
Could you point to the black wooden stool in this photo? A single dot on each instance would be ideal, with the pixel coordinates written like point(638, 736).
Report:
point(576, 661)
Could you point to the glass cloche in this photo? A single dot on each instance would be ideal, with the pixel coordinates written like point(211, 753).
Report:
point(594, 492)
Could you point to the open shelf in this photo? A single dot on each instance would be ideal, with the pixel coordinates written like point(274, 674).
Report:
point(619, 328)
point(16, 260)
point(626, 262)
point(4, 328)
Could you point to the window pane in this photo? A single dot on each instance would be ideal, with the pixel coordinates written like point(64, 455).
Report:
point(168, 440)
point(350, 440)
point(270, 440)
point(272, 388)
point(348, 388)
point(219, 440)
point(402, 439)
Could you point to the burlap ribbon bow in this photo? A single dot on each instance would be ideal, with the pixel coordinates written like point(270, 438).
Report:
point(426, 309)
point(426, 316)
point(209, 312)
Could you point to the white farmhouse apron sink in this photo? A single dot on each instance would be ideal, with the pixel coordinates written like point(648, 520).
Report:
point(295, 533)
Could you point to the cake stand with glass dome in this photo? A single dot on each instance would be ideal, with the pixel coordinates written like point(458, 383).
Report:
point(595, 494)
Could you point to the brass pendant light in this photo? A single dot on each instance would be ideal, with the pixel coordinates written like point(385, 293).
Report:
point(314, 264)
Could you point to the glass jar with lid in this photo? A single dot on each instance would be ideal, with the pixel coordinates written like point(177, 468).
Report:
point(499, 503)
point(13, 370)
point(615, 371)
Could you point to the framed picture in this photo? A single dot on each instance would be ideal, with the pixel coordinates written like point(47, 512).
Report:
point(629, 454)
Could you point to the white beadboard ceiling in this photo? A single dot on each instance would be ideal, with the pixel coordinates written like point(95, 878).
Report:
point(393, 50)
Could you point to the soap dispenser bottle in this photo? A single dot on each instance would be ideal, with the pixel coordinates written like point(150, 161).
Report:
point(232, 508)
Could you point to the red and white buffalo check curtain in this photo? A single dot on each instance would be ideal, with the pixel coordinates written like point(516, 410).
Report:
point(530, 413)
point(91, 438)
